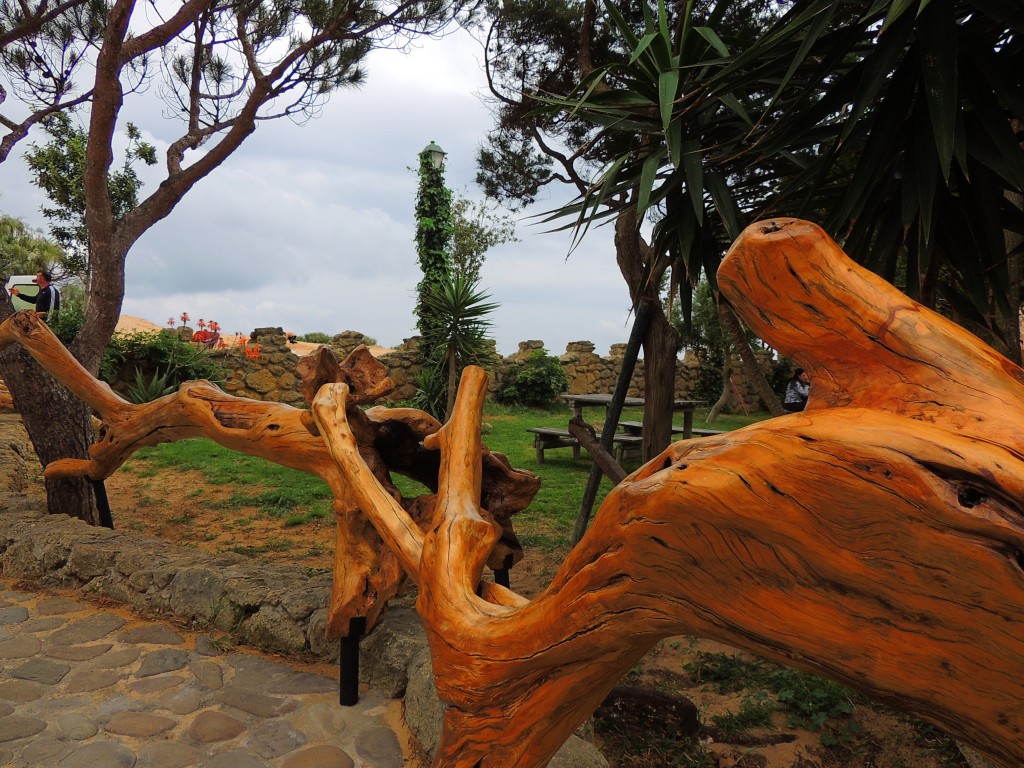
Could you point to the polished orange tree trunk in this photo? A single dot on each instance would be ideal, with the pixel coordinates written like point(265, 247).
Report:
point(876, 538)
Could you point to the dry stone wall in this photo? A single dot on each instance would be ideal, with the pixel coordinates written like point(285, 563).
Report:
point(267, 606)
point(272, 374)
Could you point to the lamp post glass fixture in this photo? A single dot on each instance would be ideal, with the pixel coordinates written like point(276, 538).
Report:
point(437, 154)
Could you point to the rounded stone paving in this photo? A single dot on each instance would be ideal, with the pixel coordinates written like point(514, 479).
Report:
point(85, 687)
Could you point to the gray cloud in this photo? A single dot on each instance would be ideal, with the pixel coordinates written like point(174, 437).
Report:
point(310, 227)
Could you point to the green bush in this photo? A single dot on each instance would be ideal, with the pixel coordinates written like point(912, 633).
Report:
point(431, 391)
point(150, 359)
point(537, 382)
point(68, 322)
point(316, 337)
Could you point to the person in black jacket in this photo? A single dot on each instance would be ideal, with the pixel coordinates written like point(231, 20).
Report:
point(47, 299)
point(798, 389)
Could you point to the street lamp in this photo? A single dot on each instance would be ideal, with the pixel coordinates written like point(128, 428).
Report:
point(437, 154)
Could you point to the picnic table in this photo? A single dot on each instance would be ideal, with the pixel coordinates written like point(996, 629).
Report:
point(579, 402)
point(628, 435)
point(545, 438)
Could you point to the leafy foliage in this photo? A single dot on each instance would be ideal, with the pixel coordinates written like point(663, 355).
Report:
point(68, 321)
point(315, 337)
point(431, 391)
point(58, 168)
point(151, 358)
point(24, 251)
point(433, 238)
point(476, 228)
point(535, 383)
point(891, 121)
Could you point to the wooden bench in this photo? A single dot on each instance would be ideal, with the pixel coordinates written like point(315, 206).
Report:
point(637, 428)
point(624, 442)
point(546, 438)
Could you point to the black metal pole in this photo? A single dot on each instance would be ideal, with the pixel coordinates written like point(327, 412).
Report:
point(99, 491)
point(348, 663)
point(501, 576)
point(636, 337)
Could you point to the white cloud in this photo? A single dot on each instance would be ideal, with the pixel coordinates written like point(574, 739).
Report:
point(310, 227)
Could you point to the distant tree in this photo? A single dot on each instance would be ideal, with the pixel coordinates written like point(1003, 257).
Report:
point(24, 251)
point(477, 228)
point(222, 69)
point(58, 168)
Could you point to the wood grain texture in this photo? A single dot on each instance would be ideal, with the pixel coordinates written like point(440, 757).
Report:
point(875, 538)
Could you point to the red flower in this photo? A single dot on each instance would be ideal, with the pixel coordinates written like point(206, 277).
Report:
point(184, 317)
point(170, 321)
point(201, 323)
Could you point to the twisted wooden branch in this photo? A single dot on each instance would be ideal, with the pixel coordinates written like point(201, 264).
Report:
point(366, 573)
point(876, 538)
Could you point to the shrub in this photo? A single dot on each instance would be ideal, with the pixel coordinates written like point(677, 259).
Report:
point(145, 356)
point(143, 390)
point(431, 391)
point(316, 337)
point(68, 322)
point(537, 382)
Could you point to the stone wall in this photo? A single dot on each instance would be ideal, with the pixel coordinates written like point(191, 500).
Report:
point(272, 374)
point(278, 608)
point(269, 376)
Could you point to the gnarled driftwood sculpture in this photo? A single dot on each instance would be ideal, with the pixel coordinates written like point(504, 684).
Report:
point(876, 538)
point(366, 574)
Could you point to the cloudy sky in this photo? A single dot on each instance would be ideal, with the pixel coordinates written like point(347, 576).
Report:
point(310, 227)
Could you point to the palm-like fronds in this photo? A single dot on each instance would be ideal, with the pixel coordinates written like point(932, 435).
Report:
point(890, 121)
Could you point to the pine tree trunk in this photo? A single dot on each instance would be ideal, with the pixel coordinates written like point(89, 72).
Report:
point(58, 425)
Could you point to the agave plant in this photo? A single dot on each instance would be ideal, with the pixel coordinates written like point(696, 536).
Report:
point(145, 390)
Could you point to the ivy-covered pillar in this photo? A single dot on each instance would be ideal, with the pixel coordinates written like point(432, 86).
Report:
point(434, 230)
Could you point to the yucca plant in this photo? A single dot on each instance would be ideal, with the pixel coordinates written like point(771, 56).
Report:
point(894, 123)
point(458, 335)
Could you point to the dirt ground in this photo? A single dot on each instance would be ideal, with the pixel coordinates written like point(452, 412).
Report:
point(175, 506)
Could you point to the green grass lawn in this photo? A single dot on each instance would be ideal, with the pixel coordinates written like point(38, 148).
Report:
point(298, 497)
